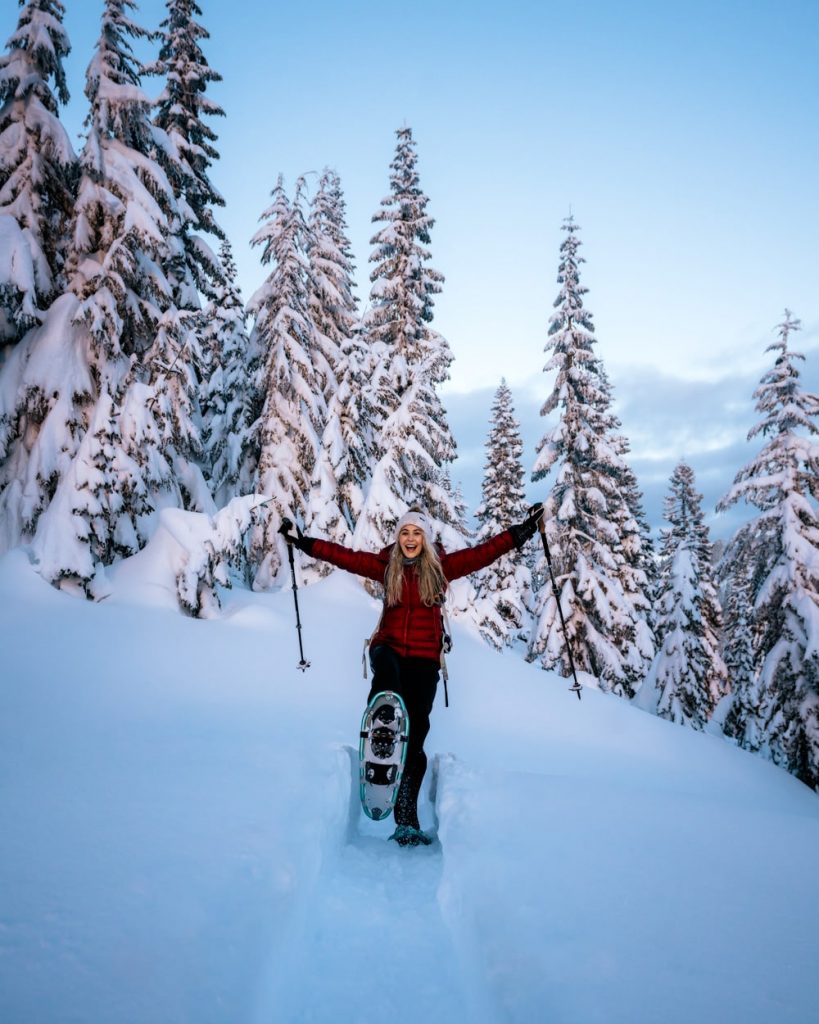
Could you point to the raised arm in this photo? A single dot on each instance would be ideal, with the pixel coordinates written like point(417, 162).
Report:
point(362, 563)
point(467, 560)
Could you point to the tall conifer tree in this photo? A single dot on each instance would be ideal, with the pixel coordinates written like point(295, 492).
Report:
point(587, 509)
point(288, 407)
point(503, 602)
point(688, 677)
point(779, 553)
point(180, 113)
point(225, 394)
point(124, 322)
point(414, 446)
point(738, 653)
point(343, 460)
point(37, 167)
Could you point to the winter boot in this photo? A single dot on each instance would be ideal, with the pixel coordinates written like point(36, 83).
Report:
point(406, 804)
point(404, 835)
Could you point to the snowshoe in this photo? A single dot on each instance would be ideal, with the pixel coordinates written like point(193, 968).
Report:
point(382, 753)
point(406, 835)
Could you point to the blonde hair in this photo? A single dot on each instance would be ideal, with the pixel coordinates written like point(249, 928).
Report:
point(427, 567)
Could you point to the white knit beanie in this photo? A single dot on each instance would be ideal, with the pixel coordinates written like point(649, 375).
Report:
point(413, 518)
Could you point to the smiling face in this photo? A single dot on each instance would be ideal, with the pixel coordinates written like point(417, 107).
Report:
point(411, 541)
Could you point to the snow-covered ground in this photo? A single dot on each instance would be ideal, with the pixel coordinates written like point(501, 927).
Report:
point(181, 839)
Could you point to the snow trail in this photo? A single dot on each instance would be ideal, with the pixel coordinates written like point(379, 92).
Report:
point(373, 938)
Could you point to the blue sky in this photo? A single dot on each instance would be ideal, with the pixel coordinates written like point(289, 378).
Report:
point(683, 138)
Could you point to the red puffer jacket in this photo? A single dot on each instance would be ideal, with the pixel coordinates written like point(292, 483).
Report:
point(411, 628)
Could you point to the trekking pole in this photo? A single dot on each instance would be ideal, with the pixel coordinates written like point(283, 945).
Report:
point(284, 529)
point(575, 687)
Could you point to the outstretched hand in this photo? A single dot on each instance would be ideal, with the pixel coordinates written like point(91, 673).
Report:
point(297, 539)
point(536, 512)
point(521, 532)
point(291, 538)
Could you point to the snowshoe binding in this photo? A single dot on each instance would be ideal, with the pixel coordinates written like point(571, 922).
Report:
point(382, 753)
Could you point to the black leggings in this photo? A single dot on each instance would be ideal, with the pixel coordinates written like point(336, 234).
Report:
point(415, 680)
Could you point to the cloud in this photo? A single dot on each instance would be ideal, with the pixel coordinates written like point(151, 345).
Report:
point(665, 418)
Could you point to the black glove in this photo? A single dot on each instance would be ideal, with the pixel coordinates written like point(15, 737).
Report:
point(297, 539)
point(521, 532)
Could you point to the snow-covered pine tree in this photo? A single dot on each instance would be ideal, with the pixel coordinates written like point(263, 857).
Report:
point(588, 519)
point(688, 676)
point(225, 398)
point(780, 555)
point(342, 464)
point(414, 445)
point(181, 109)
point(37, 167)
point(639, 573)
point(125, 323)
point(46, 396)
point(185, 151)
point(93, 504)
point(503, 602)
point(639, 550)
point(288, 407)
point(640, 570)
point(746, 562)
point(172, 367)
point(333, 305)
point(738, 653)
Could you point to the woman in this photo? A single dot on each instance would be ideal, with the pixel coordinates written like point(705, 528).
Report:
point(405, 650)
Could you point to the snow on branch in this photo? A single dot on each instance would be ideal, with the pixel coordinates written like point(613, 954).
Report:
point(209, 546)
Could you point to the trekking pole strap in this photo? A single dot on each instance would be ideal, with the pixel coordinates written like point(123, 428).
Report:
point(446, 647)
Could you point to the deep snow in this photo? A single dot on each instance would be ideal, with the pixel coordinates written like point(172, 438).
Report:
point(182, 840)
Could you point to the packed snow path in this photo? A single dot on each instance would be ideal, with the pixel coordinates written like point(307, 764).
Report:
point(373, 936)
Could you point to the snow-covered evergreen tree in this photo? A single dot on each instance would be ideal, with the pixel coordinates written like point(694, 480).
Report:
point(779, 554)
point(37, 166)
point(592, 532)
point(688, 676)
point(46, 394)
point(187, 158)
point(333, 305)
point(738, 653)
point(288, 410)
point(122, 216)
point(106, 479)
point(172, 370)
point(639, 572)
point(414, 445)
point(225, 398)
point(504, 601)
point(343, 459)
point(185, 151)
point(98, 327)
point(136, 346)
